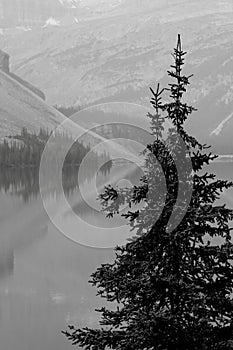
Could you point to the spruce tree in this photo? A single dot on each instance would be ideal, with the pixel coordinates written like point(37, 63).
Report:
point(171, 289)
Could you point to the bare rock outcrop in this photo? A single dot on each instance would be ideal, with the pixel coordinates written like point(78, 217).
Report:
point(4, 61)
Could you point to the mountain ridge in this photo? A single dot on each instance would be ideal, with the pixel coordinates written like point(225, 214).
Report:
point(117, 56)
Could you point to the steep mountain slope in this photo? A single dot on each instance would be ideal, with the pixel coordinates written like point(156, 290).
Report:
point(5, 67)
point(19, 107)
point(117, 54)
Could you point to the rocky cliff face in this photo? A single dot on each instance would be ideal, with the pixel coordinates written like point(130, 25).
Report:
point(5, 67)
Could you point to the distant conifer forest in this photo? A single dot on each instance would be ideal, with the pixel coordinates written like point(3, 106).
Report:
point(25, 149)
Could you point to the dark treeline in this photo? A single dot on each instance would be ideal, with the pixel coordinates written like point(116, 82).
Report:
point(25, 149)
point(20, 157)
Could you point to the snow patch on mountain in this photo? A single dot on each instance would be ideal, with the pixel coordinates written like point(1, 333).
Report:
point(51, 22)
point(219, 128)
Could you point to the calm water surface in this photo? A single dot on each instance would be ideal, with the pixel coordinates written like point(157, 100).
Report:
point(43, 274)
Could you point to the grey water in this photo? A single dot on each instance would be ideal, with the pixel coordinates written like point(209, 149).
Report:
point(43, 274)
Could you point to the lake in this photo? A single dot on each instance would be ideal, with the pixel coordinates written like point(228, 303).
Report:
point(44, 273)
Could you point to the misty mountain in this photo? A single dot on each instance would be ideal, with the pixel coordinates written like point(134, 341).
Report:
point(35, 13)
point(116, 54)
point(28, 12)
